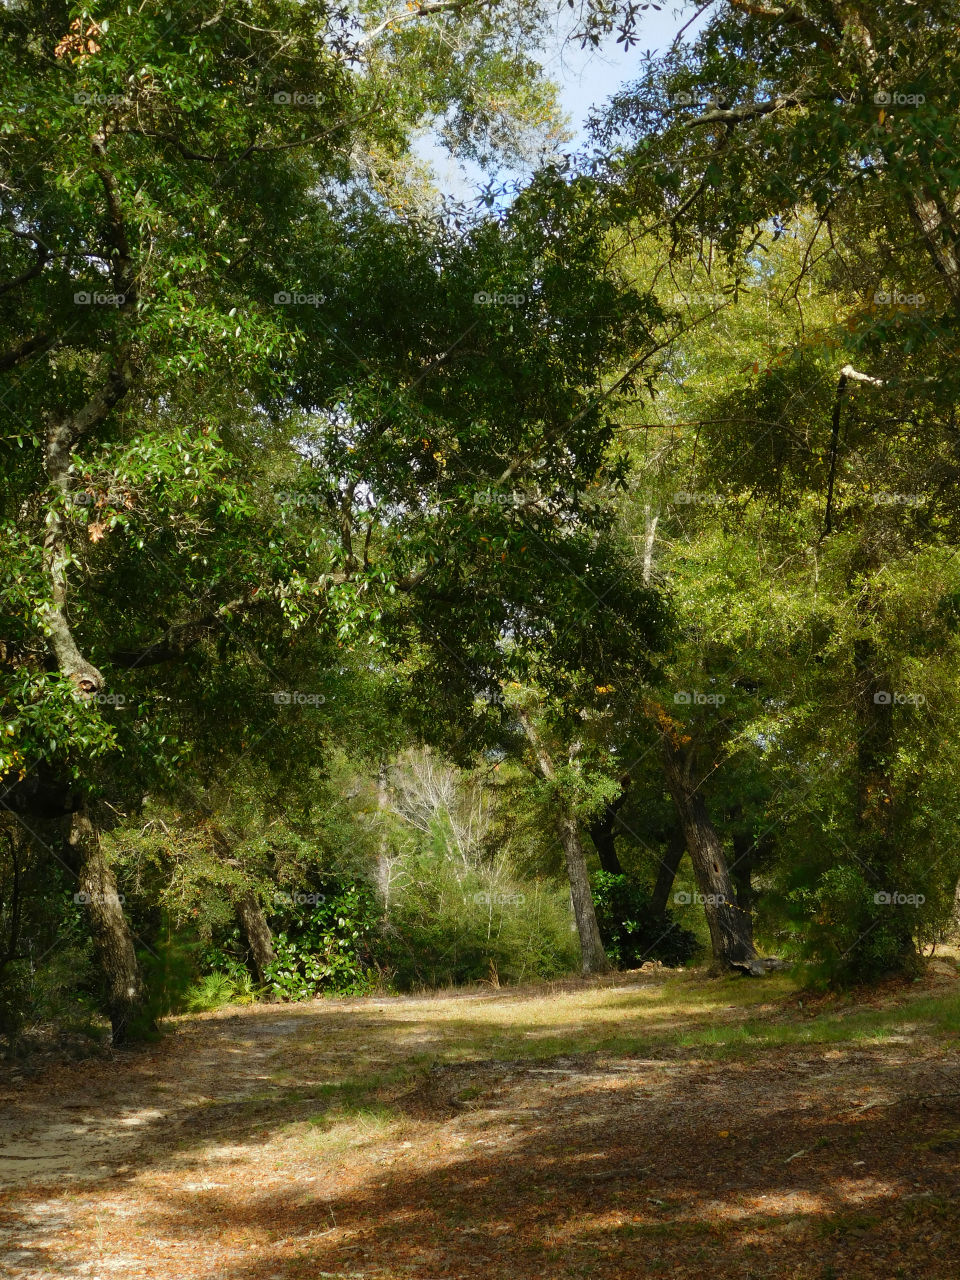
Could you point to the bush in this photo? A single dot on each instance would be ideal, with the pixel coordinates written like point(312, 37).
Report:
point(328, 948)
point(845, 936)
point(450, 928)
point(631, 931)
point(230, 985)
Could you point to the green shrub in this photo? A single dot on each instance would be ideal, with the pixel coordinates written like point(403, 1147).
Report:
point(845, 936)
point(631, 931)
point(449, 928)
point(230, 985)
point(330, 947)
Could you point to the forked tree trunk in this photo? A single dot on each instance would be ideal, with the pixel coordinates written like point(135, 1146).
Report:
point(667, 873)
point(593, 958)
point(730, 929)
point(111, 933)
point(601, 833)
point(257, 933)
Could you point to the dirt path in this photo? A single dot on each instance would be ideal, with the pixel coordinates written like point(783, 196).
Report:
point(427, 1139)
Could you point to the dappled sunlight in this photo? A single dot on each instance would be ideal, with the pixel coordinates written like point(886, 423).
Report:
point(363, 1156)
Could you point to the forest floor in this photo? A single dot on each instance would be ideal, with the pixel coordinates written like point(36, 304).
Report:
point(648, 1124)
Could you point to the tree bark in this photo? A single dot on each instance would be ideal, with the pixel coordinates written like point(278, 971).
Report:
point(743, 848)
point(257, 933)
point(667, 873)
point(876, 800)
point(602, 834)
point(111, 933)
point(730, 933)
point(593, 958)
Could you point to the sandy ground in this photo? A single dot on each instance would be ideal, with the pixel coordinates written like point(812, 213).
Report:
point(437, 1138)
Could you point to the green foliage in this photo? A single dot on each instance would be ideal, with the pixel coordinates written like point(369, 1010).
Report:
point(231, 984)
point(845, 936)
point(169, 968)
point(631, 932)
point(446, 929)
point(328, 948)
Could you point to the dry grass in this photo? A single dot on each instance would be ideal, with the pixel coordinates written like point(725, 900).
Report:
point(649, 1124)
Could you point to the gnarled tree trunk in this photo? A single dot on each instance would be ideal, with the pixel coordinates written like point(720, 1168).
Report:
point(257, 933)
point(731, 934)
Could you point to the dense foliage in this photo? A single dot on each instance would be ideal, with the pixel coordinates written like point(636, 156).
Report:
point(395, 592)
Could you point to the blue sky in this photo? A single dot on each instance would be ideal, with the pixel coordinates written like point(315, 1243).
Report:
point(586, 78)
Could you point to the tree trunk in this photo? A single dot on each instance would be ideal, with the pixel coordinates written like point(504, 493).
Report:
point(257, 933)
point(730, 933)
point(111, 933)
point(669, 866)
point(875, 795)
point(593, 958)
point(601, 833)
point(743, 848)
